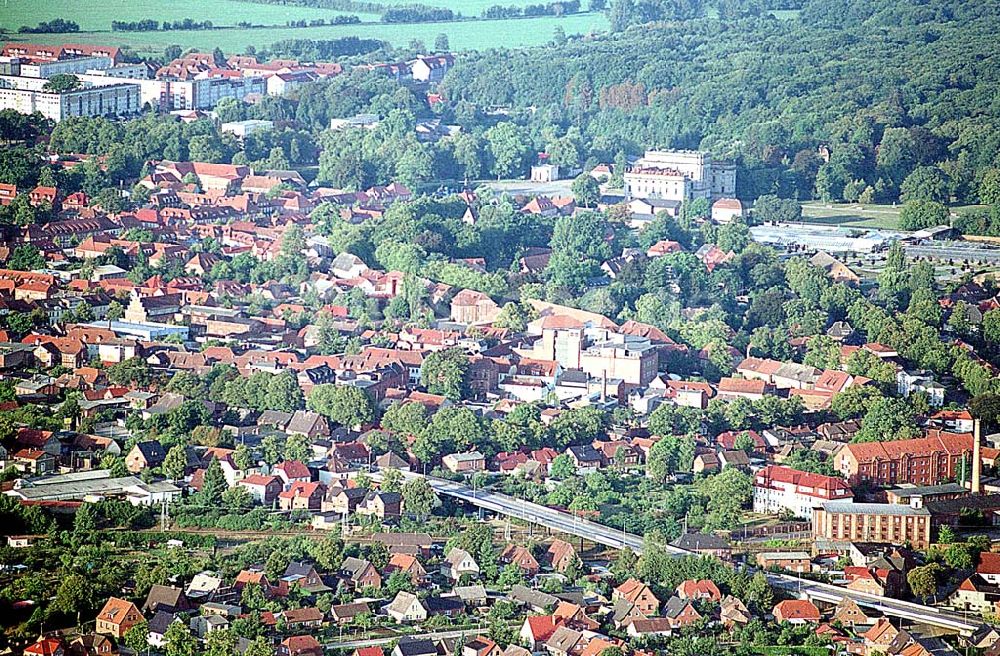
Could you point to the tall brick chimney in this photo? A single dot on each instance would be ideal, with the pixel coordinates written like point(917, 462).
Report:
point(977, 459)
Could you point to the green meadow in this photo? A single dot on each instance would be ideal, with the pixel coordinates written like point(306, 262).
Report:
point(462, 35)
point(95, 16)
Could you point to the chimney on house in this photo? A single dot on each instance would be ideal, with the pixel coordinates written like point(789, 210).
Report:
point(977, 459)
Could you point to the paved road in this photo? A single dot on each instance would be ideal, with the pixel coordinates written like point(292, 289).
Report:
point(617, 539)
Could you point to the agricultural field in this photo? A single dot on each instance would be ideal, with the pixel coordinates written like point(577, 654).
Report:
point(462, 35)
point(96, 15)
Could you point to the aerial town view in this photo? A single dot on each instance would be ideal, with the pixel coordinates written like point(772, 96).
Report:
point(491, 328)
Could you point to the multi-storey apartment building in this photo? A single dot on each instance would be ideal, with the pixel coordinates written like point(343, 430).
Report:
point(777, 489)
point(922, 461)
point(28, 95)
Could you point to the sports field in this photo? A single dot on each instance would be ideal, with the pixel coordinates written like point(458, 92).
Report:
point(95, 16)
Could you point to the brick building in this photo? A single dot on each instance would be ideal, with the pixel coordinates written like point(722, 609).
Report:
point(921, 461)
point(845, 521)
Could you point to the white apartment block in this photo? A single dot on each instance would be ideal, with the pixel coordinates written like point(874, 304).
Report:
point(27, 96)
point(679, 175)
point(74, 66)
point(171, 95)
point(777, 489)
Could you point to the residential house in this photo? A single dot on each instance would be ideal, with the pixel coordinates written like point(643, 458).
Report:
point(705, 544)
point(638, 593)
point(46, 646)
point(458, 563)
point(117, 617)
point(291, 471)
point(536, 631)
point(680, 612)
point(302, 496)
point(305, 576)
point(703, 590)
point(298, 619)
point(975, 594)
point(343, 500)
point(878, 581)
point(380, 504)
point(359, 573)
point(406, 607)
point(561, 556)
point(564, 641)
point(145, 455)
point(343, 614)
point(796, 611)
point(407, 564)
point(460, 463)
point(90, 644)
point(733, 612)
point(848, 613)
point(521, 557)
point(263, 489)
point(301, 645)
point(586, 458)
point(407, 646)
point(166, 598)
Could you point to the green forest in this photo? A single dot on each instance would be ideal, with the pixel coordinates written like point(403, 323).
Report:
point(899, 96)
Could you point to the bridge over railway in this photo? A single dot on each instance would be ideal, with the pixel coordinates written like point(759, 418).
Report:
point(570, 524)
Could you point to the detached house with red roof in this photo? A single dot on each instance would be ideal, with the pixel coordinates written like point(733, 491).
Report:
point(263, 489)
point(537, 629)
point(639, 594)
point(303, 645)
point(777, 489)
point(291, 472)
point(517, 555)
point(302, 496)
point(117, 617)
point(702, 589)
point(44, 196)
point(560, 556)
point(45, 646)
point(796, 611)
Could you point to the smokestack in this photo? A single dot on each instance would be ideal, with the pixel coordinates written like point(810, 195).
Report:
point(604, 385)
point(977, 459)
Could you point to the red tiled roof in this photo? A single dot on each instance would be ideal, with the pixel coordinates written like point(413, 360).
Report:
point(950, 443)
point(796, 609)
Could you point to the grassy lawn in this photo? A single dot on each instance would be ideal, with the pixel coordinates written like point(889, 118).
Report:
point(466, 35)
point(792, 651)
point(852, 215)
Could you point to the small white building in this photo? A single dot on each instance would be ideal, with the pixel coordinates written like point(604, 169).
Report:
point(544, 173)
point(910, 382)
point(727, 210)
point(243, 128)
